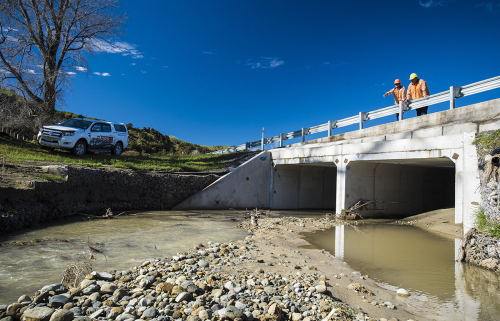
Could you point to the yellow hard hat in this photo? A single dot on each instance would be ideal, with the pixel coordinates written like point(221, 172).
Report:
point(414, 75)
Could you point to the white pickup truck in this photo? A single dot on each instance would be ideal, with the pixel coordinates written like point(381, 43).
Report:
point(82, 135)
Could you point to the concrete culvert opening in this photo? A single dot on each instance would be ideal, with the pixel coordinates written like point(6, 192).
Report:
point(308, 186)
point(401, 188)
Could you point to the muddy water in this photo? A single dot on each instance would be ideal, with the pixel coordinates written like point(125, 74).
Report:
point(126, 242)
point(419, 261)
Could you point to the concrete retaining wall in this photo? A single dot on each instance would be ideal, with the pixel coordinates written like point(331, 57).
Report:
point(247, 186)
point(92, 191)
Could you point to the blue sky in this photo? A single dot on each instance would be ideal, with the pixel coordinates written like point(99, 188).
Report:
point(214, 72)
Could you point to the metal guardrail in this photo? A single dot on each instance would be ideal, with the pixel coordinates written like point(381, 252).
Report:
point(449, 95)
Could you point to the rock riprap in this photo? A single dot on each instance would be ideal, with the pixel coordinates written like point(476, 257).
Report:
point(189, 286)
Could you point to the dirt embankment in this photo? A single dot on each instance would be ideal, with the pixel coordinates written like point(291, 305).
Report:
point(439, 221)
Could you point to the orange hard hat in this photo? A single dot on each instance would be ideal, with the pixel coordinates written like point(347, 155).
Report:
point(397, 81)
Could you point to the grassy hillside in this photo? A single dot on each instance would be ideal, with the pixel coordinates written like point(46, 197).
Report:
point(23, 151)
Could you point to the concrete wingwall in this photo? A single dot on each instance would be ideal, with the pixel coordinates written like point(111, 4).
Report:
point(246, 187)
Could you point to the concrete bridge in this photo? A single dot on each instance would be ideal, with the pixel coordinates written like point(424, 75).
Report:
point(415, 165)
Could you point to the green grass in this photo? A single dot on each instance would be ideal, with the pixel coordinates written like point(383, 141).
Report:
point(50, 177)
point(487, 143)
point(485, 225)
point(23, 151)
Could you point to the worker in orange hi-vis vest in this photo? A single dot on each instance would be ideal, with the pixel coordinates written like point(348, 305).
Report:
point(399, 93)
point(418, 89)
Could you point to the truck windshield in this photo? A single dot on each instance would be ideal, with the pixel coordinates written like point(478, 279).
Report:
point(76, 123)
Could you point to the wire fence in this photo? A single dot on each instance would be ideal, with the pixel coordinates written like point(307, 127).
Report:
point(449, 95)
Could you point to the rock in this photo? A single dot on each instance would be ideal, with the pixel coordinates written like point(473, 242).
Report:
point(357, 273)
point(76, 311)
point(86, 282)
point(56, 287)
point(490, 263)
point(193, 318)
point(58, 301)
point(203, 315)
point(269, 290)
point(233, 312)
point(9, 318)
point(23, 298)
point(320, 288)
point(296, 316)
point(62, 315)
point(216, 293)
point(229, 285)
point(103, 276)
point(115, 312)
point(94, 296)
point(108, 288)
point(164, 287)
point(125, 316)
point(240, 305)
point(149, 313)
point(14, 309)
point(176, 290)
point(41, 297)
point(403, 292)
point(274, 310)
point(96, 314)
point(119, 294)
point(203, 263)
point(3, 307)
point(38, 314)
point(144, 302)
point(184, 296)
point(90, 289)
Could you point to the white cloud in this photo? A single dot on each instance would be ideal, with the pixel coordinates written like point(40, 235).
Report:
point(209, 53)
point(81, 69)
point(133, 64)
point(432, 3)
point(265, 62)
point(71, 73)
point(491, 7)
point(103, 74)
point(144, 72)
point(326, 63)
point(31, 71)
point(125, 48)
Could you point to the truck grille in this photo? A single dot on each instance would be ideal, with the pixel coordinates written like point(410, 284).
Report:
point(51, 133)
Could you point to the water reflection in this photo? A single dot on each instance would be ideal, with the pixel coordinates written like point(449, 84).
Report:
point(420, 261)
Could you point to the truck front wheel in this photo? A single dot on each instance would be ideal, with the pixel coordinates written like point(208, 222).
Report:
point(79, 149)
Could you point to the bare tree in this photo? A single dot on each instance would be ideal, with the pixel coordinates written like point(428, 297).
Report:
point(43, 41)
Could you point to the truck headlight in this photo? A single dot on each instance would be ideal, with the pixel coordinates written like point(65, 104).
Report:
point(69, 133)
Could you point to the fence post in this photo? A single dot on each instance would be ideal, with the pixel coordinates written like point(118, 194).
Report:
point(304, 131)
point(281, 140)
point(247, 146)
point(452, 97)
point(401, 109)
point(329, 128)
point(262, 142)
point(361, 119)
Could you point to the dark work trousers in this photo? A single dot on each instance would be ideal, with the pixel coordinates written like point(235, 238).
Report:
point(397, 116)
point(422, 111)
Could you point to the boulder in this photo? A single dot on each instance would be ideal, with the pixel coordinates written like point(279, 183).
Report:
point(38, 314)
point(62, 315)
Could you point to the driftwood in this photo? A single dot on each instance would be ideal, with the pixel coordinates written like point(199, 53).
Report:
point(349, 213)
point(109, 215)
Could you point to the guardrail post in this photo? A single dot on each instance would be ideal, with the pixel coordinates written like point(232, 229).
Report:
point(304, 131)
point(281, 140)
point(262, 142)
point(247, 146)
point(362, 116)
point(329, 128)
point(452, 96)
point(401, 109)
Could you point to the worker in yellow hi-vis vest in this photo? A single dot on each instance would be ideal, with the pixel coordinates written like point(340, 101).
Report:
point(418, 89)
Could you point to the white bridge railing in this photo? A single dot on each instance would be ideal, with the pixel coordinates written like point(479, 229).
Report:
point(450, 95)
